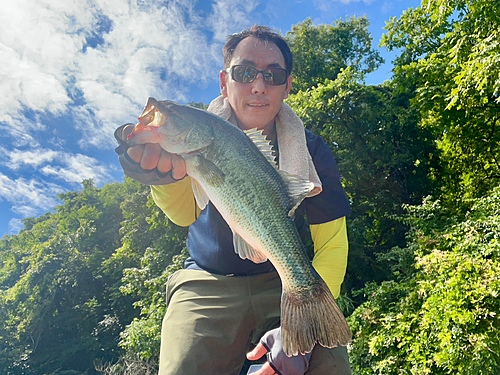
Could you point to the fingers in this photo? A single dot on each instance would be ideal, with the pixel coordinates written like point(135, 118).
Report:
point(135, 152)
point(257, 352)
point(150, 156)
point(165, 162)
point(168, 161)
point(178, 167)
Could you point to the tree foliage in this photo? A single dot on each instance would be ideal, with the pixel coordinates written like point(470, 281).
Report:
point(384, 157)
point(440, 314)
point(61, 307)
point(450, 61)
point(55, 306)
point(320, 52)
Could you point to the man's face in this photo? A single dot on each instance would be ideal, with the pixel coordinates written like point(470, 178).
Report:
point(255, 104)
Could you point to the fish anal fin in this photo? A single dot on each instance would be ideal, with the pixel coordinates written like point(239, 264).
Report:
point(314, 317)
point(297, 188)
point(245, 251)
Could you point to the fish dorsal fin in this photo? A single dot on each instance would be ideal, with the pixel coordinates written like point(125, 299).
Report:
point(199, 195)
point(245, 251)
point(297, 188)
point(263, 144)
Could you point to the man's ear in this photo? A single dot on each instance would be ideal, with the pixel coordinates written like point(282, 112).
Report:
point(223, 82)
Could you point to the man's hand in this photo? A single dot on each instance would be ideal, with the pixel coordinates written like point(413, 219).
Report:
point(278, 362)
point(148, 163)
point(151, 156)
point(258, 352)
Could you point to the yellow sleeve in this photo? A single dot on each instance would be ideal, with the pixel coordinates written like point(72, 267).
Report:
point(177, 201)
point(330, 252)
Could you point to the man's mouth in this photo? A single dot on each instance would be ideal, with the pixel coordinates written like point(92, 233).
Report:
point(257, 105)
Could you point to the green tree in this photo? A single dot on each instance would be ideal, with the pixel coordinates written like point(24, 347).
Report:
point(141, 338)
point(320, 52)
point(450, 60)
point(384, 157)
point(60, 299)
point(440, 314)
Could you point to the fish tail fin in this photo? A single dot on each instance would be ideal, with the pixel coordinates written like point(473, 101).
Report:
point(310, 319)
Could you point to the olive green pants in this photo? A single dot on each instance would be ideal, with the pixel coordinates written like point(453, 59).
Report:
point(212, 321)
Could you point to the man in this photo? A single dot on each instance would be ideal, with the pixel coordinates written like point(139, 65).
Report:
point(220, 304)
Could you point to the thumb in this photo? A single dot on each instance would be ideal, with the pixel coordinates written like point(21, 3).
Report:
point(257, 352)
point(126, 131)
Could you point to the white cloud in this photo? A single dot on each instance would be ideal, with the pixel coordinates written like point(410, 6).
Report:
point(386, 7)
point(49, 173)
point(76, 168)
point(231, 16)
point(71, 168)
point(18, 158)
point(150, 51)
point(28, 197)
point(90, 65)
point(15, 225)
point(37, 45)
point(111, 54)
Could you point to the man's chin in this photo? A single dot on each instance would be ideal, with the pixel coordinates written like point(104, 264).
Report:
point(259, 117)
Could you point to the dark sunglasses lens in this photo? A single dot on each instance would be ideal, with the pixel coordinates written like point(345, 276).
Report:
point(279, 76)
point(244, 74)
point(247, 74)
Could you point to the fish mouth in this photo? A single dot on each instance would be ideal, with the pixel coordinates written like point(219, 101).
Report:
point(143, 134)
point(146, 130)
point(152, 115)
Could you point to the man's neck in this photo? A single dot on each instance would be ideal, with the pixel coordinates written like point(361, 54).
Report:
point(270, 132)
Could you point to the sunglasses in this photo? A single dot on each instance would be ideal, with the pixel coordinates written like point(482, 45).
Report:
point(247, 74)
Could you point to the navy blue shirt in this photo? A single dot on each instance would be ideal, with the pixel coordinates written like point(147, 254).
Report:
point(210, 240)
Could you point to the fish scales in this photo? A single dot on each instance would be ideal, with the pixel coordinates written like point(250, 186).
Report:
point(256, 201)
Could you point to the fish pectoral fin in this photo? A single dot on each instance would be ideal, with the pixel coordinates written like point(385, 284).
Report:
point(199, 194)
point(210, 172)
point(245, 251)
point(297, 188)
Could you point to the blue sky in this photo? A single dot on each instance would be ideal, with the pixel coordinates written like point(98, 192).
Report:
point(71, 71)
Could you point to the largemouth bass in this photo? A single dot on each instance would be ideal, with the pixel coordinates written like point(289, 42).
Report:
point(235, 170)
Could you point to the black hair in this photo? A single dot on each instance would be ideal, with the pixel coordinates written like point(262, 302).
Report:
point(263, 33)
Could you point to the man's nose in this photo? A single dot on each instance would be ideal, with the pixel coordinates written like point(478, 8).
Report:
point(259, 85)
